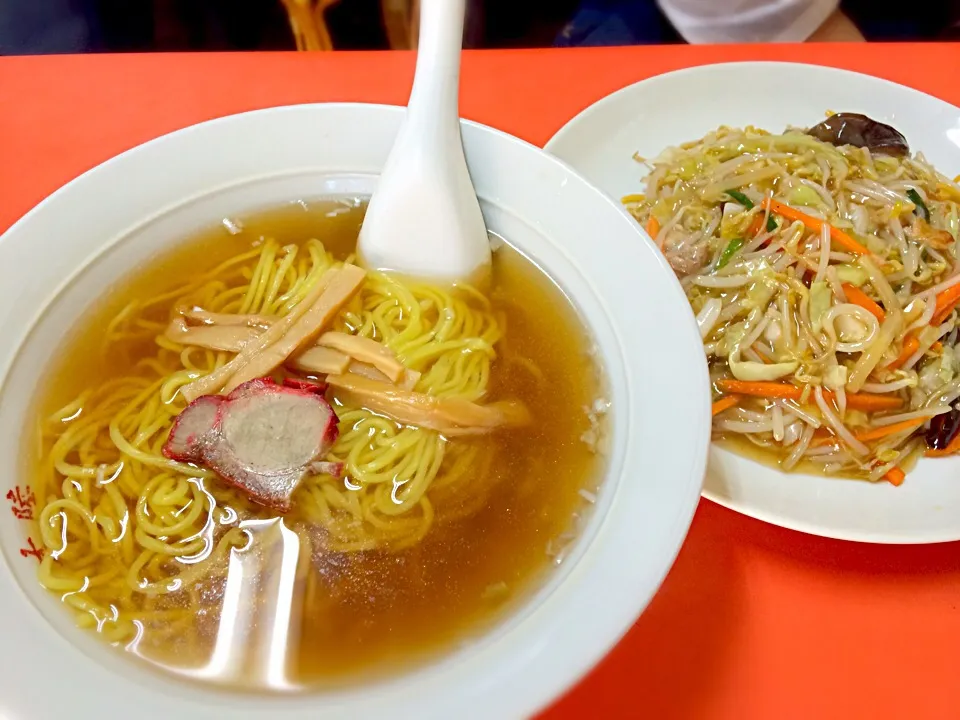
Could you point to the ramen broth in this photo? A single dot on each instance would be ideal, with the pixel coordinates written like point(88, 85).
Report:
point(285, 611)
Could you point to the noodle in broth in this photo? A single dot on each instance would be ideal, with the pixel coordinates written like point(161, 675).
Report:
point(143, 547)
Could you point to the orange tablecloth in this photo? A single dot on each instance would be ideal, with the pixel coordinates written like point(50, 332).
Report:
point(753, 622)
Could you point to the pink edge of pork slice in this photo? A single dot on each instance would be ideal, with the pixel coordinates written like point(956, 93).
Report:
point(252, 387)
point(333, 469)
point(311, 386)
point(190, 427)
point(262, 439)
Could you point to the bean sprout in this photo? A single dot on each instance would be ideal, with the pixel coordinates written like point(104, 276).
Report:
point(819, 292)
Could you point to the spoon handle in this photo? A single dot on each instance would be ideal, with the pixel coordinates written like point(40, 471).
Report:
point(434, 100)
point(424, 219)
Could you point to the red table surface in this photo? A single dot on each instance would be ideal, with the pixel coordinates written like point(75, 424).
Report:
point(753, 621)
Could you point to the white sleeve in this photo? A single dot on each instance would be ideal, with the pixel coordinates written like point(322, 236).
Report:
point(747, 21)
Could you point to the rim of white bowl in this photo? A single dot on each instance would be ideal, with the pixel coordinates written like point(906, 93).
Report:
point(556, 636)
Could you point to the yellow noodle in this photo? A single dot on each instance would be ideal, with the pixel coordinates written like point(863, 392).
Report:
point(143, 531)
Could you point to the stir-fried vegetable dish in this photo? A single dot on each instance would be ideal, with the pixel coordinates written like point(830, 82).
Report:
point(822, 267)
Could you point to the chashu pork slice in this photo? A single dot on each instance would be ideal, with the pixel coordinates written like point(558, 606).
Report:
point(262, 438)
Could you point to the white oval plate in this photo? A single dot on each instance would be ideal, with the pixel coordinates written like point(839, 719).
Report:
point(58, 258)
point(669, 109)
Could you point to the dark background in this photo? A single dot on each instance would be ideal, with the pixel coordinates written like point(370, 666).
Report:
point(39, 26)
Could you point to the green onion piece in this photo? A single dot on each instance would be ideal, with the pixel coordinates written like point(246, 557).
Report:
point(922, 209)
point(771, 223)
point(729, 251)
point(741, 198)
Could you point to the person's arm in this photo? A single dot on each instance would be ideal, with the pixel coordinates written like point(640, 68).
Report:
point(749, 21)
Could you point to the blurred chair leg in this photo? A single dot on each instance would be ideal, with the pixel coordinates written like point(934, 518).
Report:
point(308, 23)
point(401, 20)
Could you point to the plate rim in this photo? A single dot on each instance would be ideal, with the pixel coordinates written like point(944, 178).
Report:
point(560, 135)
point(725, 500)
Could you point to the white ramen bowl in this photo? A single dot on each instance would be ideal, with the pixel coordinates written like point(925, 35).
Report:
point(62, 255)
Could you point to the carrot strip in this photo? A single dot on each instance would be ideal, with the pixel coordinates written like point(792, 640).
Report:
point(784, 391)
point(868, 401)
point(653, 227)
point(756, 226)
point(725, 404)
point(895, 476)
point(815, 224)
point(763, 356)
point(876, 433)
point(841, 238)
point(824, 438)
point(787, 391)
point(946, 302)
point(859, 297)
point(910, 346)
point(885, 430)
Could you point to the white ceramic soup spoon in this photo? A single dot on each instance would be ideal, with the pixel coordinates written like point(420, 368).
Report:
point(424, 219)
